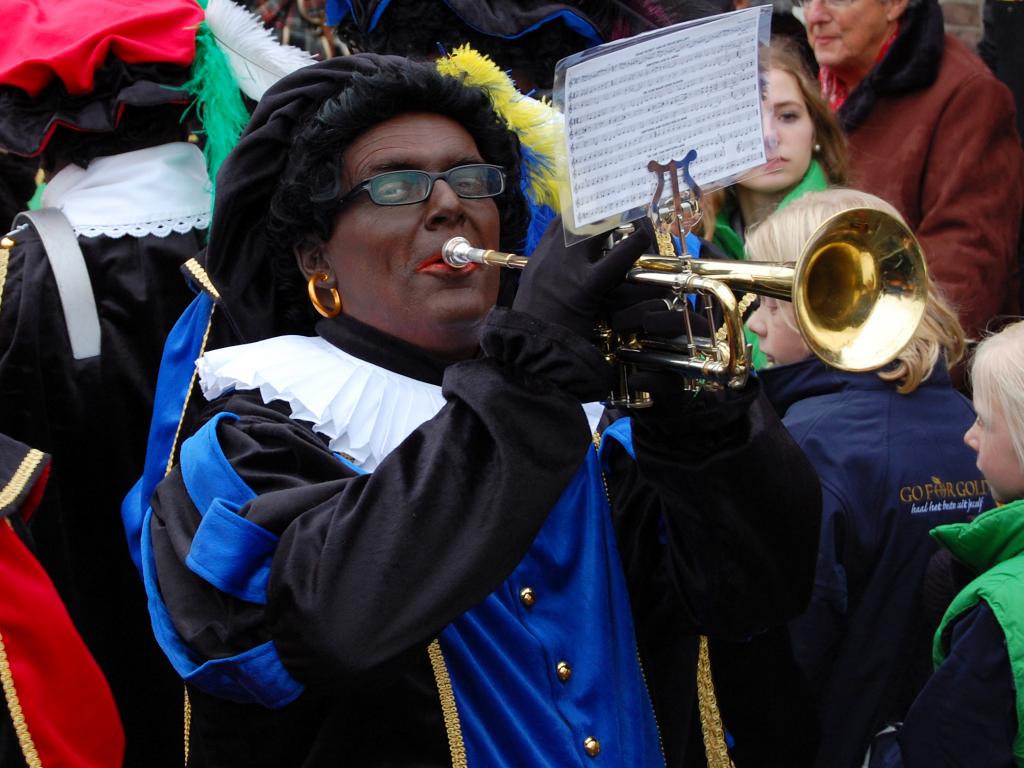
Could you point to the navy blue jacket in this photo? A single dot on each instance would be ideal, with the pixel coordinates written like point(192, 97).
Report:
point(892, 467)
point(966, 715)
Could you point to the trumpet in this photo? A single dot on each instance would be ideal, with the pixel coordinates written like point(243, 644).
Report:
point(859, 288)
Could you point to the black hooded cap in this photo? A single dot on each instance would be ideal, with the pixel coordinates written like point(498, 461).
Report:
point(237, 259)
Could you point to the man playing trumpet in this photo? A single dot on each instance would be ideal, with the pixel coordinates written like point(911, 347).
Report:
point(393, 536)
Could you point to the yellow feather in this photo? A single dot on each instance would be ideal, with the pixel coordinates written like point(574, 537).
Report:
point(537, 124)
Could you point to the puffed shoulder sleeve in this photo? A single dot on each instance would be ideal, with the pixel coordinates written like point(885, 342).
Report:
point(718, 510)
point(208, 557)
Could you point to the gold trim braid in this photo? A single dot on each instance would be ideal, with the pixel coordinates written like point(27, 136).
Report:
point(710, 718)
point(20, 478)
point(187, 714)
point(197, 271)
point(5, 257)
point(187, 719)
point(448, 707)
point(188, 395)
point(741, 310)
point(28, 747)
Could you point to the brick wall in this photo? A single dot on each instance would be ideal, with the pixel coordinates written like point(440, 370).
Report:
point(963, 19)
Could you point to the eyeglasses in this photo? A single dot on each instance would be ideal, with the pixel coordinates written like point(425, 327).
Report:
point(472, 182)
point(834, 4)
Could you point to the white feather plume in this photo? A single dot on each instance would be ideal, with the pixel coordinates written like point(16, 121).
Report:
point(257, 60)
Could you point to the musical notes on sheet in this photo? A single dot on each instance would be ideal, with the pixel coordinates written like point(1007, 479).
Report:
point(657, 98)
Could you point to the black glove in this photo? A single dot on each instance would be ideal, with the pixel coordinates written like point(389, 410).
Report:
point(654, 317)
point(567, 286)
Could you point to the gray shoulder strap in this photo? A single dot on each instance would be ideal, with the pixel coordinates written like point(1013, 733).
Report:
point(72, 278)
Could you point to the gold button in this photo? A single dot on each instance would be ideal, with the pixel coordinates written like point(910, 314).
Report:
point(591, 746)
point(563, 670)
point(527, 597)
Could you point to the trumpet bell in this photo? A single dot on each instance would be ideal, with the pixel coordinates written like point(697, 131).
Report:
point(860, 289)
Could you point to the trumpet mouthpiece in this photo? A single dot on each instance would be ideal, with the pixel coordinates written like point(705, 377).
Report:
point(456, 252)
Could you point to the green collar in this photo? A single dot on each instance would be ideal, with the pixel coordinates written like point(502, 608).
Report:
point(813, 181)
point(726, 237)
point(991, 538)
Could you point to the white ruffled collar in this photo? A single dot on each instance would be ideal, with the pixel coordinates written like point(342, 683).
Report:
point(363, 410)
point(152, 191)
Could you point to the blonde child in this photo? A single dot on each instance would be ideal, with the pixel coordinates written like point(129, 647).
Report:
point(970, 711)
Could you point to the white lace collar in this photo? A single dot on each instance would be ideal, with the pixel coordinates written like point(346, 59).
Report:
point(152, 191)
point(364, 410)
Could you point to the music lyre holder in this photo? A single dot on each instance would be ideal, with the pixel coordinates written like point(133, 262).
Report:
point(684, 215)
point(680, 218)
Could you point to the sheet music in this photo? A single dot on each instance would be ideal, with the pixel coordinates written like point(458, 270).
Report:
point(695, 88)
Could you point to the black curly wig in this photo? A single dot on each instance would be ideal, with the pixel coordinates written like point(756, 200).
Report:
point(307, 199)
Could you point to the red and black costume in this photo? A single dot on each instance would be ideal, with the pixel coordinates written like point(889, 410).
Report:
point(59, 711)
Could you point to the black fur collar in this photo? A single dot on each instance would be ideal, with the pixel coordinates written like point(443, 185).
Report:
point(911, 64)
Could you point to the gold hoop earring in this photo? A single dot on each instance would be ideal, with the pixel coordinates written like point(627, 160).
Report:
point(321, 277)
